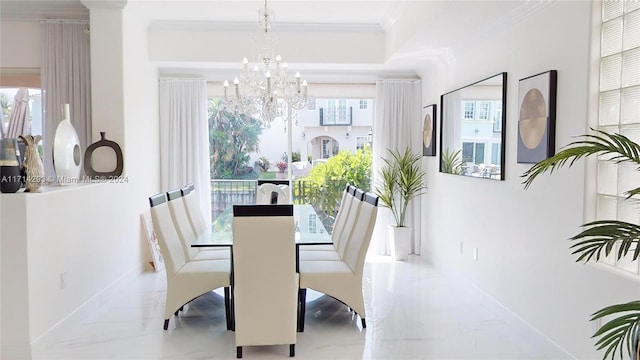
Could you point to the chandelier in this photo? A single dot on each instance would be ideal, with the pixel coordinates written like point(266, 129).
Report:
point(266, 88)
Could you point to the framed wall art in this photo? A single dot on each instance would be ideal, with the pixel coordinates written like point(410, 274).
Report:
point(429, 130)
point(537, 117)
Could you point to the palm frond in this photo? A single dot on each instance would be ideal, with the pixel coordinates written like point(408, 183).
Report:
point(619, 331)
point(621, 149)
point(602, 236)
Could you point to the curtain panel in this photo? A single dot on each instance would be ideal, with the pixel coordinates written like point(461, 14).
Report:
point(396, 125)
point(184, 138)
point(65, 79)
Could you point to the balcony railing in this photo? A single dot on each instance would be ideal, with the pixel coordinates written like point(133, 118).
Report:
point(226, 193)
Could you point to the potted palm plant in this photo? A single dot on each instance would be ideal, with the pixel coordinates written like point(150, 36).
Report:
point(401, 181)
point(622, 330)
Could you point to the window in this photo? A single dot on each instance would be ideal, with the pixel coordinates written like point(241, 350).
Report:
point(483, 111)
point(335, 113)
point(495, 154)
point(619, 113)
point(34, 115)
point(312, 223)
point(361, 141)
point(473, 152)
point(469, 110)
point(311, 105)
point(497, 118)
point(364, 105)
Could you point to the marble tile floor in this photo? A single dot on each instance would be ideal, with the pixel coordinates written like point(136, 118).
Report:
point(414, 312)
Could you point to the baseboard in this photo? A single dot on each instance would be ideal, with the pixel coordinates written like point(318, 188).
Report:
point(96, 302)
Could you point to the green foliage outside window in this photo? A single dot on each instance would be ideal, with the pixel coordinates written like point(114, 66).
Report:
point(327, 181)
point(232, 139)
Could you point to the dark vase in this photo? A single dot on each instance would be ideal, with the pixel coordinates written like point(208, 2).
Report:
point(88, 159)
point(10, 167)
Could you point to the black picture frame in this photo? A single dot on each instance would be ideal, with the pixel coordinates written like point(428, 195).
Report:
point(429, 130)
point(537, 117)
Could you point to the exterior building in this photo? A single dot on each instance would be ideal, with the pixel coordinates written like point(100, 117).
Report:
point(324, 128)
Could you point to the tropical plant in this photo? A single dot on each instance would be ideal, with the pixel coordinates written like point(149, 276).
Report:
point(326, 181)
point(600, 237)
point(295, 156)
point(451, 162)
point(263, 163)
point(232, 138)
point(401, 180)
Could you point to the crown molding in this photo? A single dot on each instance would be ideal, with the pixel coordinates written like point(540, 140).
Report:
point(42, 10)
point(278, 27)
point(104, 4)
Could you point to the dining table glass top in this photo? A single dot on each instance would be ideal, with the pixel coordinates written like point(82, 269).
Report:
point(308, 229)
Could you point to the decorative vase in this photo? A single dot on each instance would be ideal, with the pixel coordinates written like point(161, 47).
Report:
point(88, 159)
point(399, 242)
point(10, 178)
point(67, 156)
point(32, 167)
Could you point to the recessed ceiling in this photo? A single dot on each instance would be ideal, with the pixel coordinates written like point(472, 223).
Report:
point(41, 9)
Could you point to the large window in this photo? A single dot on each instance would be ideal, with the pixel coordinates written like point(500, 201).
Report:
point(34, 111)
point(335, 113)
point(619, 112)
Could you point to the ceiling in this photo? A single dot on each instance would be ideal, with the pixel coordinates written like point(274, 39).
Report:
point(420, 31)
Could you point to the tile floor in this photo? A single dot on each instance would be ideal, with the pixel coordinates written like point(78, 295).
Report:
point(414, 312)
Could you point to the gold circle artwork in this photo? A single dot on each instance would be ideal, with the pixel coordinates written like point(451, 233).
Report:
point(427, 130)
point(533, 119)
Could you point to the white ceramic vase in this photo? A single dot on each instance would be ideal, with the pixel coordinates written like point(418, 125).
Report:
point(67, 157)
point(399, 242)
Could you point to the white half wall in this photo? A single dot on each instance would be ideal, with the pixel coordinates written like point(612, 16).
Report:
point(60, 249)
point(522, 236)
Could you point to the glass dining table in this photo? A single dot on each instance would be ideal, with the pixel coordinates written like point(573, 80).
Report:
point(309, 230)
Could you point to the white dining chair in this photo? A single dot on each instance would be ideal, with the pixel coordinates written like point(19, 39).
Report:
point(196, 218)
point(342, 279)
point(268, 193)
point(186, 280)
point(183, 226)
point(265, 282)
point(340, 234)
point(338, 225)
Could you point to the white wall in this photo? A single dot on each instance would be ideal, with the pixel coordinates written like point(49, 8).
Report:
point(92, 233)
point(524, 261)
point(79, 232)
point(20, 44)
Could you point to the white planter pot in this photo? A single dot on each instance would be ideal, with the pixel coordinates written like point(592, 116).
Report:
point(399, 242)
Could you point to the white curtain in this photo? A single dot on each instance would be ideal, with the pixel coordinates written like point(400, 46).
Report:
point(184, 138)
point(65, 79)
point(396, 125)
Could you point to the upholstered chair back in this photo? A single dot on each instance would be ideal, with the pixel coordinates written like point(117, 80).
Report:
point(265, 284)
point(341, 217)
point(168, 239)
point(265, 193)
point(181, 222)
point(350, 222)
point(196, 218)
point(361, 235)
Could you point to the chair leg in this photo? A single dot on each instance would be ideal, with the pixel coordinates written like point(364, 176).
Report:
point(166, 324)
point(239, 352)
point(302, 304)
point(227, 309)
point(364, 323)
point(292, 350)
